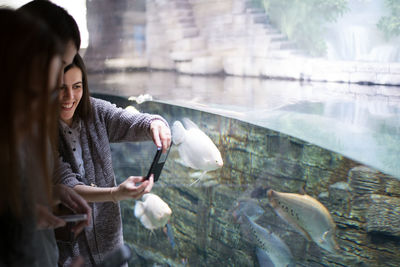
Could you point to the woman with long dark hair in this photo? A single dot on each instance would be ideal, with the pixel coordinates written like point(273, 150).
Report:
point(87, 127)
point(31, 63)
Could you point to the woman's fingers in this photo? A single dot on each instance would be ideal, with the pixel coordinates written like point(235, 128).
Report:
point(135, 186)
point(46, 219)
point(156, 136)
point(150, 184)
point(161, 134)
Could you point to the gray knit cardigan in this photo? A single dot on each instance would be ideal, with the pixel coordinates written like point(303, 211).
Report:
point(109, 124)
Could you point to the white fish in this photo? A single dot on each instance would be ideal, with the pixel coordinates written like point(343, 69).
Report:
point(308, 216)
point(141, 98)
point(195, 148)
point(153, 212)
point(132, 109)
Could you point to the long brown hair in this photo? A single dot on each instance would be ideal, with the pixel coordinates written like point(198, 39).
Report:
point(27, 50)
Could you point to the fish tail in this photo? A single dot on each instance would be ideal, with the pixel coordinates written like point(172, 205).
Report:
point(263, 258)
point(178, 133)
point(139, 209)
point(189, 124)
point(147, 223)
point(271, 199)
point(196, 181)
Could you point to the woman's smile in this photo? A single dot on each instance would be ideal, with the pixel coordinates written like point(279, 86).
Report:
point(67, 106)
point(70, 94)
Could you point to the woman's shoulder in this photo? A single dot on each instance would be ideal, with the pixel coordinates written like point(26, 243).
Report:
point(94, 101)
point(101, 105)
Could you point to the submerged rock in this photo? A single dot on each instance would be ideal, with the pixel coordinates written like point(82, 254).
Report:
point(383, 215)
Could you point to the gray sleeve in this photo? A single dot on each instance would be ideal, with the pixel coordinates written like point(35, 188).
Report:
point(123, 125)
point(63, 174)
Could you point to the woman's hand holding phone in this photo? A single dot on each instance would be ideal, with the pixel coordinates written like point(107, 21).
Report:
point(134, 187)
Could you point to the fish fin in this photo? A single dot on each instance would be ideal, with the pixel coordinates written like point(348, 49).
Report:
point(202, 175)
point(198, 179)
point(324, 238)
point(178, 133)
point(302, 190)
point(263, 259)
point(196, 174)
point(170, 235)
point(139, 209)
point(189, 124)
point(271, 200)
point(184, 157)
point(146, 222)
point(324, 235)
point(182, 162)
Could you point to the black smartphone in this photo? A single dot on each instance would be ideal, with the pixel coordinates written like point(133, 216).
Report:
point(157, 164)
point(117, 257)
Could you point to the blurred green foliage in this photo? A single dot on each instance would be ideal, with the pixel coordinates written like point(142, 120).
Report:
point(390, 25)
point(303, 21)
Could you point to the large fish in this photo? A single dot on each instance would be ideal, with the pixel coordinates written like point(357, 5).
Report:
point(153, 212)
point(271, 251)
point(308, 216)
point(195, 148)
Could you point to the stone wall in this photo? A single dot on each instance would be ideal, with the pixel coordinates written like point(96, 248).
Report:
point(362, 201)
point(234, 38)
point(208, 37)
point(116, 34)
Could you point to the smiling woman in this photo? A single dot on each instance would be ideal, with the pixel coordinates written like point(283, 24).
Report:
point(71, 93)
point(87, 126)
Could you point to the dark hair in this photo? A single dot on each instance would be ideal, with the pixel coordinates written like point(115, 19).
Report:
point(27, 50)
point(84, 109)
point(57, 18)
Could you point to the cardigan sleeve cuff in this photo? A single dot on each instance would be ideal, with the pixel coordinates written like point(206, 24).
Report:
point(72, 182)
